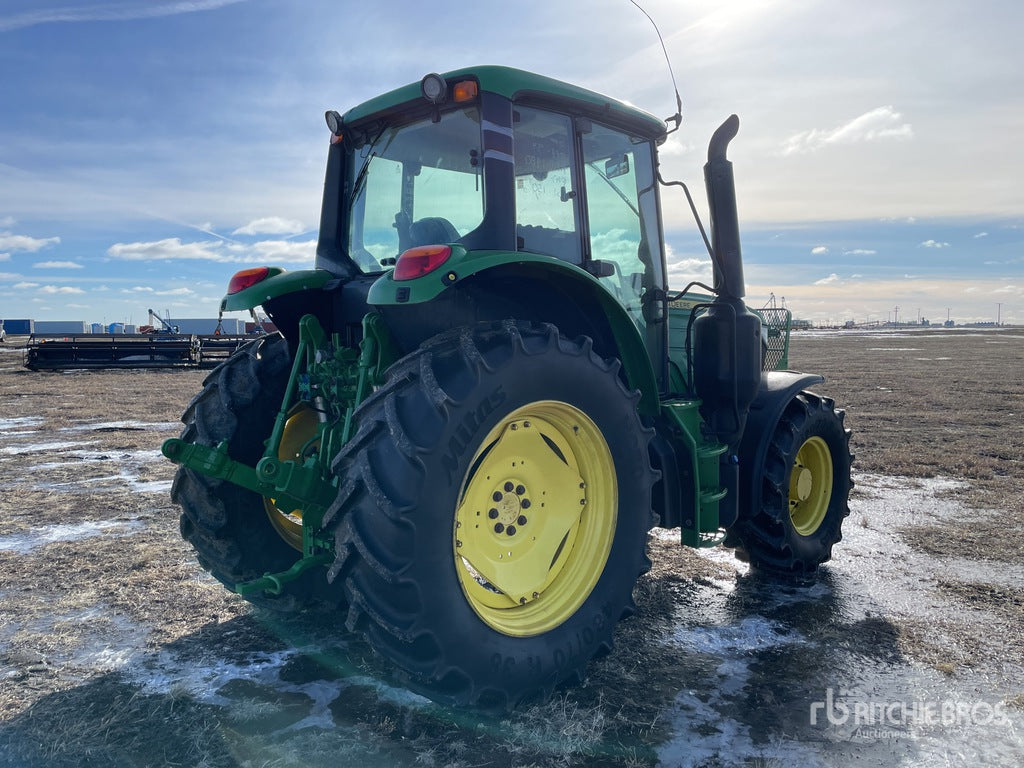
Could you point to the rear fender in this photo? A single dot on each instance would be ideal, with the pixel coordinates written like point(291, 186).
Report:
point(777, 389)
point(466, 287)
point(274, 286)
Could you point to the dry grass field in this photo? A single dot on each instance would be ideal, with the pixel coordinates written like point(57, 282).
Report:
point(117, 650)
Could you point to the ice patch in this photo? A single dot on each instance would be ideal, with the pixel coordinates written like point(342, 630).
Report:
point(7, 426)
point(146, 426)
point(20, 450)
point(166, 673)
point(23, 543)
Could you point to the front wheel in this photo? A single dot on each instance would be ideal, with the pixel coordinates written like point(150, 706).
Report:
point(493, 512)
point(805, 486)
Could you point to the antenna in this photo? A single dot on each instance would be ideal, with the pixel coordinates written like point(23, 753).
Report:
point(677, 118)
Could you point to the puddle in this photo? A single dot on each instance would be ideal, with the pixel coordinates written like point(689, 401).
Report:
point(24, 543)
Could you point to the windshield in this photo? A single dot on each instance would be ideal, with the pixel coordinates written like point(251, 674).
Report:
point(416, 184)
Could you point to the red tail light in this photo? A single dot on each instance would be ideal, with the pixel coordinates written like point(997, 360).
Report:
point(246, 278)
point(420, 261)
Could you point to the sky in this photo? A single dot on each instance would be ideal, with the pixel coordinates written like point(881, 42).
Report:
point(151, 148)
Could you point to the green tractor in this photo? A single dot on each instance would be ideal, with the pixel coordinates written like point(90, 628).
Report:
point(484, 395)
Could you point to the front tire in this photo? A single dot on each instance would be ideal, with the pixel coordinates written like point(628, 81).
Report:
point(493, 512)
point(805, 487)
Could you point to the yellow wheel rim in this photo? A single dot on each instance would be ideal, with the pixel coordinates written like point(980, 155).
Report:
point(810, 486)
point(536, 518)
point(298, 441)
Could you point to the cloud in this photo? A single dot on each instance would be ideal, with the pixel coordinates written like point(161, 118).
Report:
point(860, 252)
point(60, 289)
point(5, 257)
point(25, 286)
point(980, 235)
point(176, 292)
point(122, 11)
point(819, 250)
point(227, 253)
point(275, 250)
point(57, 265)
point(830, 280)
point(7, 221)
point(934, 244)
point(271, 225)
point(162, 250)
point(882, 123)
point(137, 289)
point(1006, 289)
point(9, 242)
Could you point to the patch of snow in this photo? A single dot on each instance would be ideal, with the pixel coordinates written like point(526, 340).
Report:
point(23, 543)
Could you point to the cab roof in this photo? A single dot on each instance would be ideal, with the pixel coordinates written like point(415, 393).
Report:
point(517, 84)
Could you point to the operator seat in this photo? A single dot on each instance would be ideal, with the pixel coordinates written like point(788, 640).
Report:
point(432, 230)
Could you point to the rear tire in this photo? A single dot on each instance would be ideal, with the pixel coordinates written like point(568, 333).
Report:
point(230, 527)
point(480, 599)
point(805, 489)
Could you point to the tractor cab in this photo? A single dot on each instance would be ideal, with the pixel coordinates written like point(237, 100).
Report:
point(497, 160)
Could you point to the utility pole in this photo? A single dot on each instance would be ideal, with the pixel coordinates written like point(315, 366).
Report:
point(999, 312)
point(896, 316)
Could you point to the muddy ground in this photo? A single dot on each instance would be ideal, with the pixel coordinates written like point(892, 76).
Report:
point(117, 650)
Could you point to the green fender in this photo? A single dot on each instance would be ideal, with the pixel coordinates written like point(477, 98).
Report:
point(463, 264)
point(277, 284)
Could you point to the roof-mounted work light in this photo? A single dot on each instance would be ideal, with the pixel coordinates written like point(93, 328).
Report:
point(434, 88)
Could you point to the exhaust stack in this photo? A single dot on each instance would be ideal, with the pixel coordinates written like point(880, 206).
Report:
point(725, 228)
point(727, 337)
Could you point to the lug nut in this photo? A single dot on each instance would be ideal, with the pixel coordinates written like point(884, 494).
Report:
point(497, 496)
point(508, 487)
point(492, 513)
point(525, 503)
point(498, 527)
point(521, 520)
point(511, 530)
point(520, 489)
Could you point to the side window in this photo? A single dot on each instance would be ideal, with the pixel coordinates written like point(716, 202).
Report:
point(621, 212)
point(383, 185)
point(546, 213)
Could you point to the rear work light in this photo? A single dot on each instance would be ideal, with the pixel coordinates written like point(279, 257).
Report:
point(420, 261)
point(246, 278)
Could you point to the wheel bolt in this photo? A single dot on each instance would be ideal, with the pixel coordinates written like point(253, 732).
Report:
point(520, 489)
point(521, 520)
point(511, 530)
point(525, 503)
point(497, 496)
point(492, 513)
point(508, 487)
point(498, 527)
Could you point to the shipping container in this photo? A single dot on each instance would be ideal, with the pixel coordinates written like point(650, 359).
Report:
point(230, 326)
point(97, 328)
point(268, 327)
point(14, 327)
point(60, 327)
